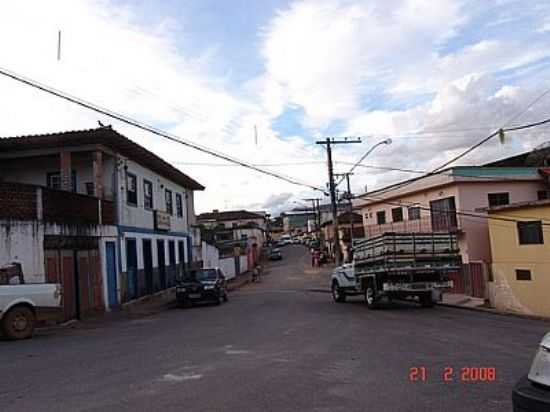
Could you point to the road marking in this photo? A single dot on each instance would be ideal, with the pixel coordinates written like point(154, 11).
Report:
point(237, 352)
point(169, 377)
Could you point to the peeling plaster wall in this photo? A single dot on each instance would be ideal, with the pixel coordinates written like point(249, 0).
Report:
point(23, 241)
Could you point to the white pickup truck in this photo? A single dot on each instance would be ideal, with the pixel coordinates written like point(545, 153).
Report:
point(22, 305)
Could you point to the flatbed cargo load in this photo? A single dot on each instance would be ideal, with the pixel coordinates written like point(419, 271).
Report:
point(398, 252)
point(399, 265)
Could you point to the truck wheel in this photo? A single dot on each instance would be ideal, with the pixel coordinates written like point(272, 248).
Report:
point(426, 300)
point(370, 296)
point(18, 323)
point(337, 294)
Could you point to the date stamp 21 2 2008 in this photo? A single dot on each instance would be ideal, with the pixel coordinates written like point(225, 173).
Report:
point(452, 374)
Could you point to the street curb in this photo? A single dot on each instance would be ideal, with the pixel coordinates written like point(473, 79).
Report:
point(494, 312)
point(237, 285)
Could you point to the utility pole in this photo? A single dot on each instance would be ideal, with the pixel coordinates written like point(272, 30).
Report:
point(349, 196)
point(317, 212)
point(328, 142)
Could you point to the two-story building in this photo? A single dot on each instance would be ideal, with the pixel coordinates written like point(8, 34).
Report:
point(448, 201)
point(521, 257)
point(151, 202)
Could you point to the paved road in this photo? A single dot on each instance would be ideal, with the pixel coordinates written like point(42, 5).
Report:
point(276, 346)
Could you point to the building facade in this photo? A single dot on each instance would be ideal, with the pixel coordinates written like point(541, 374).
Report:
point(152, 204)
point(519, 236)
point(448, 201)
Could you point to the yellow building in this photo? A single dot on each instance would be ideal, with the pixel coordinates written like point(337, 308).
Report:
point(520, 247)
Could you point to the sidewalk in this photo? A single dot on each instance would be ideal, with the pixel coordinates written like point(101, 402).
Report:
point(464, 301)
point(456, 300)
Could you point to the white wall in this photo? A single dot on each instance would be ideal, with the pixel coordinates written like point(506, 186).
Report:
point(35, 170)
point(138, 216)
point(210, 255)
point(228, 267)
point(153, 237)
point(23, 241)
point(243, 261)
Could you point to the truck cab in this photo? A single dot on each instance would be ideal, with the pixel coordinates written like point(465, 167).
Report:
point(343, 282)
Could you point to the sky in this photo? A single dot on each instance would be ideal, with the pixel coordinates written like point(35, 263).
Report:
point(262, 81)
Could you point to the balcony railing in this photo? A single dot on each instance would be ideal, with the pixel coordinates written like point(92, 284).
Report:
point(31, 202)
point(422, 225)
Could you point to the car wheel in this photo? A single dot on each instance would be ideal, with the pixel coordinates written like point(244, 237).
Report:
point(337, 294)
point(370, 296)
point(426, 300)
point(18, 323)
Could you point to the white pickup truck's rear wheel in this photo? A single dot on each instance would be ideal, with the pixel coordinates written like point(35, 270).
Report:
point(337, 294)
point(18, 323)
point(426, 300)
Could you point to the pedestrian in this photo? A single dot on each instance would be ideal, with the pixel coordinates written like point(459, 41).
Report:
point(312, 252)
point(317, 257)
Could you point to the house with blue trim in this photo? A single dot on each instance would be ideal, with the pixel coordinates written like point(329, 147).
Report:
point(141, 209)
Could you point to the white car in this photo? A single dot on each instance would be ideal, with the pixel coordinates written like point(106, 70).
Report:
point(532, 392)
point(21, 306)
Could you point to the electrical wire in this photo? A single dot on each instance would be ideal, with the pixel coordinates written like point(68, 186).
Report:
point(149, 128)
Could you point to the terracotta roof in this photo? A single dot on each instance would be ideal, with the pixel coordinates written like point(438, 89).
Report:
point(229, 215)
point(105, 136)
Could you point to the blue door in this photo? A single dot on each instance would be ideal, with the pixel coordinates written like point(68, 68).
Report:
point(131, 268)
point(110, 257)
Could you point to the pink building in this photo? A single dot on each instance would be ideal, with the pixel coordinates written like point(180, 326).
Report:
point(449, 201)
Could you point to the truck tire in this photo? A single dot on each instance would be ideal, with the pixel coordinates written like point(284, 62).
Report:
point(426, 300)
point(337, 294)
point(18, 323)
point(370, 295)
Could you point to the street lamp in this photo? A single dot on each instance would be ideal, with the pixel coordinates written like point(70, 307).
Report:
point(387, 141)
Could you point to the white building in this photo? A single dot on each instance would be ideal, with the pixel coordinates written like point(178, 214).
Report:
point(144, 210)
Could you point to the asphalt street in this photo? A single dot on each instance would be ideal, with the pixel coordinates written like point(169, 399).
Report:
point(280, 345)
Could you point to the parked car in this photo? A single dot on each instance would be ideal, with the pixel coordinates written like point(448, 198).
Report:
point(296, 241)
point(24, 304)
point(532, 392)
point(275, 254)
point(208, 284)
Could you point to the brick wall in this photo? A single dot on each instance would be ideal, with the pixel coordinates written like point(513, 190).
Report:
point(17, 201)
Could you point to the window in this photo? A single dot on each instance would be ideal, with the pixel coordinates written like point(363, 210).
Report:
point(530, 233)
point(414, 213)
point(179, 205)
point(543, 195)
point(443, 214)
point(147, 194)
point(498, 199)
point(523, 274)
point(53, 180)
point(131, 189)
point(397, 214)
point(169, 204)
point(381, 217)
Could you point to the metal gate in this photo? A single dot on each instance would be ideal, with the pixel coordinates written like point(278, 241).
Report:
point(469, 280)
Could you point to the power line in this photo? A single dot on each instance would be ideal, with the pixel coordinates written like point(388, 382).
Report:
point(148, 128)
point(500, 131)
point(461, 212)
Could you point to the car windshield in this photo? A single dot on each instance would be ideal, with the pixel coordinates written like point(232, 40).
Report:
point(203, 274)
